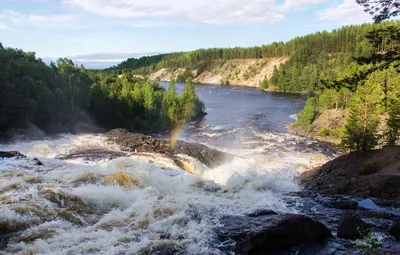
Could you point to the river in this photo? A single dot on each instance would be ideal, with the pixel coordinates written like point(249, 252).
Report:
point(170, 211)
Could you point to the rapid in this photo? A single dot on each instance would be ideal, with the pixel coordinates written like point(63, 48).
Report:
point(67, 207)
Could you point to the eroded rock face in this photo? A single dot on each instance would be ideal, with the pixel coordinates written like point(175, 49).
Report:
point(146, 144)
point(372, 174)
point(270, 234)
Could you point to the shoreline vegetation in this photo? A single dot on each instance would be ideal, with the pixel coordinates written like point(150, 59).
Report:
point(63, 97)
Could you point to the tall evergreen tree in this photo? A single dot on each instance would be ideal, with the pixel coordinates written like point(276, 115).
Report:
point(362, 124)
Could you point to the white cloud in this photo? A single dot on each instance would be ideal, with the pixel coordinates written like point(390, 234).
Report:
point(207, 11)
point(4, 26)
point(345, 12)
point(18, 20)
point(295, 5)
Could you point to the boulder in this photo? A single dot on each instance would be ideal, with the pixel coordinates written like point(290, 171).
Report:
point(351, 227)
point(395, 231)
point(140, 143)
point(17, 154)
point(264, 212)
point(270, 234)
point(371, 174)
point(11, 154)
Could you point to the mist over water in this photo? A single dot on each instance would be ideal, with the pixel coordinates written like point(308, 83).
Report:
point(170, 211)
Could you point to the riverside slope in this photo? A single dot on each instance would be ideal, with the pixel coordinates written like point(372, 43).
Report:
point(244, 72)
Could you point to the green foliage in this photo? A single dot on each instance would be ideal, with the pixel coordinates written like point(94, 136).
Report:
point(368, 168)
point(57, 97)
point(393, 123)
point(264, 84)
point(313, 57)
point(338, 132)
point(225, 82)
point(362, 124)
point(308, 114)
point(381, 9)
point(182, 77)
point(324, 132)
point(371, 245)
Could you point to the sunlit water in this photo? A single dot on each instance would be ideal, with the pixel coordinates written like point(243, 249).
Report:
point(170, 211)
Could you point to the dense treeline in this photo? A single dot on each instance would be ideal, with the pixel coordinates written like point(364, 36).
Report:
point(59, 97)
point(368, 89)
point(317, 56)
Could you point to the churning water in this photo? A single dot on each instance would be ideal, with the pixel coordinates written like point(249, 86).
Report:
point(67, 207)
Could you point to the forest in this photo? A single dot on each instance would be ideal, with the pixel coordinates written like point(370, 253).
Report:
point(352, 69)
point(312, 58)
point(60, 96)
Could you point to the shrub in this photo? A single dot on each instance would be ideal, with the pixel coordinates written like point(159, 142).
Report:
point(324, 132)
point(368, 168)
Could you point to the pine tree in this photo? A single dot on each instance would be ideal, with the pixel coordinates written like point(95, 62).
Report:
point(362, 125)
point(189, 99)
point(393, 123)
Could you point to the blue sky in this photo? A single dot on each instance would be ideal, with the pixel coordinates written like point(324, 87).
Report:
point(61, 28)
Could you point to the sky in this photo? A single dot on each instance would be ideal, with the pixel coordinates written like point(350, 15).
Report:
point(101, 32)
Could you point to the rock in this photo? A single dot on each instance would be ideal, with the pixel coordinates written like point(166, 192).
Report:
point(372, 174)
point(11, 154)
point(17, 154)
point(63, 200)
point(395, 231)
point(271, 233)
point(339, 203)
point(94, 154)
point(351, 227)
point(121, 179)
point(259, 213)
point(38, 162)
point(140, 143)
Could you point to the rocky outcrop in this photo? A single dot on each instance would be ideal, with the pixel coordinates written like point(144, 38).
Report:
point(11, 154)
point(140, 143)
point(270, 234)
point(372, 174)
point(351, 227)
point(17, 154)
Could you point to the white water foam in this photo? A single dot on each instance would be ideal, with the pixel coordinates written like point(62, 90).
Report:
point(170, 210)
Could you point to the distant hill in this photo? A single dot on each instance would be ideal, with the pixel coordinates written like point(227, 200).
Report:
point(310, 58)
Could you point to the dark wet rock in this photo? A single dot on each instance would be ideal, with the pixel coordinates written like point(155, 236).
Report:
point(3, 243)
point(270, 234)
point(94, 154)
point(395, 231)
point(164, 248)
point(339, 203)
point(7, 227)
point(372, 174)
point(19, 155)
point(140, 143)
point(11, 154)
point(259, 213)
point(352, 227)
point(67, 201)
point(37, 162)
point(387, 203)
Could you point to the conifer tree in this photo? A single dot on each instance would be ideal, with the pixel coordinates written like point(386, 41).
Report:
point(362, 124)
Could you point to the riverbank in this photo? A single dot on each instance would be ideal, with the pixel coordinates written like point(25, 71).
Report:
point(235, 72)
